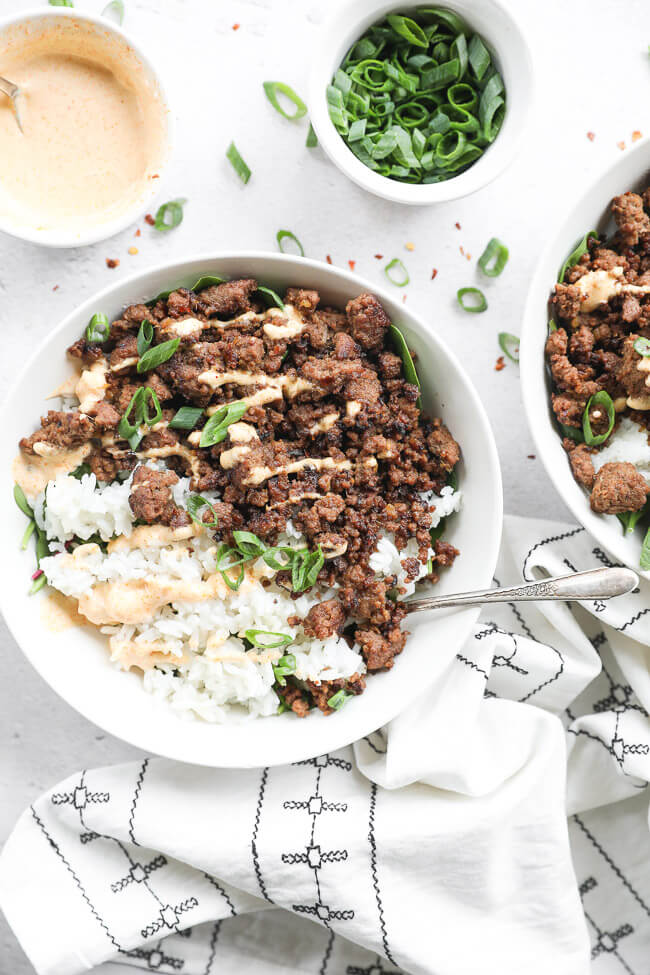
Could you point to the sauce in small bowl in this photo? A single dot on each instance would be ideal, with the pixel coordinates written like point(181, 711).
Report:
point(95, 129)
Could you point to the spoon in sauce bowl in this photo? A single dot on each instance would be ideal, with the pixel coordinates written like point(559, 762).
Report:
point(14, 92)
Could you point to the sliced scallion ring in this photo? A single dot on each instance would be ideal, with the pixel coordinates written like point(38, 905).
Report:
point(186, 418)
point(236, 161)
point(642, 346)
point(258, 639)
point(289, 235)
point(114, 10)
point(249, 544)
point(274, 88)
point(510, 345)
point(494, 258)
point(644, 561)
point(145, 337)
point(98, 329)
point(195, 503)
point(396, 273)
point(601, 398)
point(169, 215)
point(472, 300)
point(312, 139)
point(283, 667)
point(157, 354)
point(216, 428)
point(336, 701)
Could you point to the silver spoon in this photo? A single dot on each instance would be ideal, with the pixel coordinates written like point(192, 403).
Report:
point(593, 584)
point(13, 91)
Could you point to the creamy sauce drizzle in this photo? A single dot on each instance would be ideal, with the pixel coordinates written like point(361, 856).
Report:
point(324, 424)
point(152, 536)
point(32, 473)
point(138, 600)
point(59, 612)
point(291, 385)
point(599, 286)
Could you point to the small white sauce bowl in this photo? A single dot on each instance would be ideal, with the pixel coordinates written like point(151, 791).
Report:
point(137, 63)
point(511, 54)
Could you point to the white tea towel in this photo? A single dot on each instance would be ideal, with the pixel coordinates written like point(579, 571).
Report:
point(439, 845)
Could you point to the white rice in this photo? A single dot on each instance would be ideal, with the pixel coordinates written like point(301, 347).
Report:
point(202, 668)
point(629, 442)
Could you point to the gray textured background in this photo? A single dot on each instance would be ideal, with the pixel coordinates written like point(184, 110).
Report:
point(593, 73)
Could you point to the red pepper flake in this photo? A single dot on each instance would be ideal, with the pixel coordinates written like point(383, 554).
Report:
point(591, 136)
point(379, 257)
point(55, 288)
point(500, 364)
point(457, 225)
point(112, 262)
point(434, 273)
point(532, 456)
point(328, 259)
point(138, 232)
point(156, 176)
point(236, 26)
point(403, 299)
point(462, 250)
point(468, 256)
point(352, 265)
point(149, 219)
point(37, 574)
point(636, 135)
point(621, 145)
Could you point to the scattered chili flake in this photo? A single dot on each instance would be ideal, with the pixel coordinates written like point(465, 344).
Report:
point(328, 259)
point(621, 145)
point(112, 262)
point(591, 136)
point(434, 273)
point(532, 456)
point(379, 257)
point(462, 250)
point(236, 26)
point(149, 219)
point(352, 265)
point(468, 256)
point(133, 250)
point(138, 232)
point(55, 288)
point(500, 364)
point(403, 299)
point(636, 135)
point(156, 176)
point(457, 225)
point(409, 246)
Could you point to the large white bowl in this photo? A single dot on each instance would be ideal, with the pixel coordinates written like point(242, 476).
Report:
point(509, 47)
point(589, 212)
point(139, 66)
point(75, 662)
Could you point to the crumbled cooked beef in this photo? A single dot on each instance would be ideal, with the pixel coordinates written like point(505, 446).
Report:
point(445, 553)
point(378, 649)
point(618, 487)
point(294, 698)
point(324, 619)
point(631, 378)
point(368, 322)
point(323, 691)
point(62, 430)
point(567, 301)
point(443, 446)
point(106, 466)
point(581, 460)
point(86, 351)
point(105, 416)
point(151, 498)
point(227, 300)
point(304, 301)
point(630, 217)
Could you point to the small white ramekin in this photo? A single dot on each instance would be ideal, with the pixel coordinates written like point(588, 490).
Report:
point(36, 19)
point(509, 47)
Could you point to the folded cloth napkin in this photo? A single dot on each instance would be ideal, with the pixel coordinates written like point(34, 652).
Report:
point(438, 845)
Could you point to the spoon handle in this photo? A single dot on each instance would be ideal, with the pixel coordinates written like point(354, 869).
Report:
point(593, 584)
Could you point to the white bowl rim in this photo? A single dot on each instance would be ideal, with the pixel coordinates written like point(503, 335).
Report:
point(493, 161)
point(102, 231)
point(356, 724)
point(605, 529)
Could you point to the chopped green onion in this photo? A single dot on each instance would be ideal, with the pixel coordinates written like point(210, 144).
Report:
point(600, 398)
point(408, 29)
point(270, 556)
point(186, 418)
point(278, 639)
point(305, 573)
point(158, 354)
point(29, 531)
point(283, 667)
point(477, 300)
point(287, 234)
point(494, 258)
point(336, 701)
point(61, 3)
point(151, 418)
point(216, 428)
point(169, 215)
point(114, 9)
point(401, 347)
point(644, 561)
point(249, 544)
point(224, 558)
point(98, 329)
point(552, 327)
point(194, 505)
point(233, 584)
point(145, 337)
point(642, 346)
point(581, 248)
point(129, 429)
point(312, 139)
point(402, 279)
point(237, 163)
point(274, 298)
point(21, 501)
point(273, 88)
point(41, 580)
point(509, 345)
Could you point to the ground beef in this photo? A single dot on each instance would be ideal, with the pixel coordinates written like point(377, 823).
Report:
point(443, 446)
point(618, 488)
point(630, 217)
point(581, 460)
point(304, 301)
point(322, 691)
point(378, 649)
point(324, 619)
point(567, 301)
point(62, 430)
point(227, 300)
point(631, 378)
point(106, 466)
point(105, 415)
point(151, 499)
point(368, 322)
